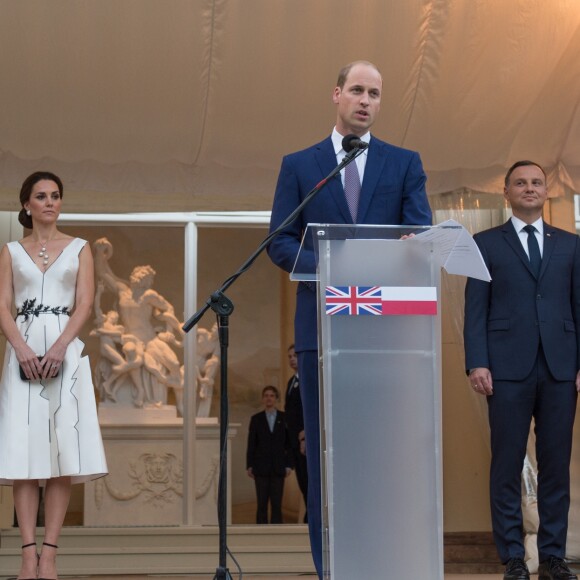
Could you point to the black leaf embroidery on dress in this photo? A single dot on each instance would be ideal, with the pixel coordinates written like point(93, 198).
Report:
point(30, 308)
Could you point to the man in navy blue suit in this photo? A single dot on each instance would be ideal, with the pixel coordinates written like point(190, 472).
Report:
point(522, 351)
point(392, 191)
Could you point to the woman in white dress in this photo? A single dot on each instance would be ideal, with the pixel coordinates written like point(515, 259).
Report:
point(49, 430)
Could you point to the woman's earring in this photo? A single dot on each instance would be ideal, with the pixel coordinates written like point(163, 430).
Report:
point(27, 212)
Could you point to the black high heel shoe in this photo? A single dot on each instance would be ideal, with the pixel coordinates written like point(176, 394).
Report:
point(37, 556)
point(50, 546)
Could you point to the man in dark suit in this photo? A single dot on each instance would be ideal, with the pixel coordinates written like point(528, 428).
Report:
point(267, 459)
point(391, 190)
point(295, 423)
point(522, 350)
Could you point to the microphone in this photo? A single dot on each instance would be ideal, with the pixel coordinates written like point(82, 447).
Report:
point(351, 142)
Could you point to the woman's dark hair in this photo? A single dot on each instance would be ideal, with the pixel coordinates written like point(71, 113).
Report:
point(26, 190)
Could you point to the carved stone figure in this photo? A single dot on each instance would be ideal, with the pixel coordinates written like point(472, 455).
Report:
point(138, 337)
point(207, 364)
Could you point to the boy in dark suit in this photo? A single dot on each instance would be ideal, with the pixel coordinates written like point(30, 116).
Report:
point(268, 460)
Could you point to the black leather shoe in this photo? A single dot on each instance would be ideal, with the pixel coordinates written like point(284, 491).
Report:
point(555, 569)
point(516, 569)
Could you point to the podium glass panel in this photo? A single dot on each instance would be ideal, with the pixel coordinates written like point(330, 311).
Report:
point(380, 404)
point(306, 265)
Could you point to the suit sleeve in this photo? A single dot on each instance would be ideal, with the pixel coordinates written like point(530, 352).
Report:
point(250, 452)
point(285, 247)
point(415, 209)
point(477, 297)
point(576, 298)
point(289, 461)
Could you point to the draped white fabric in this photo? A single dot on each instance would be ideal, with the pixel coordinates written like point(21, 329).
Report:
point(190, 104)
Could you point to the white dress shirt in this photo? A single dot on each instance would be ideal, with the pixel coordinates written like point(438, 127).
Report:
point(519, 225)
point(271, 417)
point(360, 161)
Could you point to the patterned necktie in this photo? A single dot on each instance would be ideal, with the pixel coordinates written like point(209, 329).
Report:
point(533, 249)
point(352, 188)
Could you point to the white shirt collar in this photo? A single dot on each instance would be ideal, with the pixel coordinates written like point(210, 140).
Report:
point(337, 141)
point(519, 225)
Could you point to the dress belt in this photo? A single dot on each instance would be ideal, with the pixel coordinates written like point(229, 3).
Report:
point(31, 308)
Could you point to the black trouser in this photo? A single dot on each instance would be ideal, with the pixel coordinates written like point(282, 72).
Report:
point(269, 489)
point(301, 475)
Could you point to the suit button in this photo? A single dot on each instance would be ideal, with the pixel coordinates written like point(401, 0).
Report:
point(539, 297)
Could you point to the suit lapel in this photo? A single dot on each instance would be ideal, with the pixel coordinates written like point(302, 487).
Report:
point(277, 422)
point(326, 159)
point(512, 238)
point(292, 386)
point(373, 168)
point(265, 422)
point(550, 241)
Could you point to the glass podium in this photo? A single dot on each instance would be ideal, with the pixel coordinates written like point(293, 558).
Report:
point(379, 321)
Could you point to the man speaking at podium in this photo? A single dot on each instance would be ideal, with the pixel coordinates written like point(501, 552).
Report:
point(384, 185)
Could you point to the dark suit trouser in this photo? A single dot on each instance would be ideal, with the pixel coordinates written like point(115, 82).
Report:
point(552, 404)
point(308, 371)
point(301, 469)
point(269, 489)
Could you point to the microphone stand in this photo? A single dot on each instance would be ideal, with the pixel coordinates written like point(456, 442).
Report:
point(223, 307)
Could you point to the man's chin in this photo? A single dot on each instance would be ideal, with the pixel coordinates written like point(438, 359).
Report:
point(360, 128)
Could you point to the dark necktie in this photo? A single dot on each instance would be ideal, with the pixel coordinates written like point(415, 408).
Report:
point(533, 249)
point(352, 188)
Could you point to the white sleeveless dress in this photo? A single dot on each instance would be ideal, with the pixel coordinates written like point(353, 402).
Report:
point(48, 428)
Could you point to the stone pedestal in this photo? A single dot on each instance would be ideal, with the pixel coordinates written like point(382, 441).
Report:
point(145, 482)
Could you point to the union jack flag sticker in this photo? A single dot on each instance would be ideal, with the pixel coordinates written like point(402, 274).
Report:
point(353, 300)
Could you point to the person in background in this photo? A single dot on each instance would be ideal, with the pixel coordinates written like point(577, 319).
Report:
point(268, 460)
point(295, 423)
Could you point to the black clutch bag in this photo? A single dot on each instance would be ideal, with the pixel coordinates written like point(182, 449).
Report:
point(25, 378)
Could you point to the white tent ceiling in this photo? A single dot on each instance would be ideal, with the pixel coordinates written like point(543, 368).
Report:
point(190, 104)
